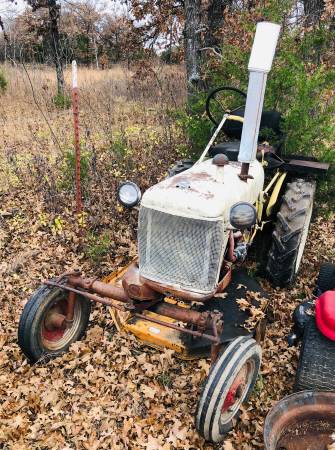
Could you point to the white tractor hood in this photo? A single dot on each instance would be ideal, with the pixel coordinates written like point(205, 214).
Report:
point(205, 191)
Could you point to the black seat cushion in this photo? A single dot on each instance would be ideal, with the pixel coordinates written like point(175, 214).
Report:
point(270, 120)
point(230, 149)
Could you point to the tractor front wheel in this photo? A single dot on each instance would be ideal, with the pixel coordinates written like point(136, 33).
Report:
point(229, 384)
point(43, 332)
point(290, 233)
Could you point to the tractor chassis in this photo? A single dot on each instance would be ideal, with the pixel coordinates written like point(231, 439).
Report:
point(204, 332)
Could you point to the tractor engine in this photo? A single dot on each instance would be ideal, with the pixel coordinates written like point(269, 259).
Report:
point(184, 224)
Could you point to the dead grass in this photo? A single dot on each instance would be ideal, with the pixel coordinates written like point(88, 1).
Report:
point(113, 101)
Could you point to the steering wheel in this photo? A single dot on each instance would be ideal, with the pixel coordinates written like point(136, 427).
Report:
point(223, 100)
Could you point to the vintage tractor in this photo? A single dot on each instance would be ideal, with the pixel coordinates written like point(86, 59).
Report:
point(194, 232)
point(314, 324)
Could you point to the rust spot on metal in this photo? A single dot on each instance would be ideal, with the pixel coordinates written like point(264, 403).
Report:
point(71, 300)
point(202, 320)
point(193, 177)
point(54, 321)
point(178, 292)
point(220, 160)
point(198, 176)
point(305, 420)
point(223, 284)
point(206, 195)
point(136, 288)
point(244, 175)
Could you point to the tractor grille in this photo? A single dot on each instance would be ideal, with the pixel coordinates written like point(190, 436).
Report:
point(179, 250)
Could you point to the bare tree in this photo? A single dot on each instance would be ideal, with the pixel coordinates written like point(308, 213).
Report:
point(54, 13)
point(192, 42)
point(313, 10)
point(215, 21)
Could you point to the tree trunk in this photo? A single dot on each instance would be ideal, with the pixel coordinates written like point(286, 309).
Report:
point(313, 10)
point(215, 20)
point(96, 52)
point(55, 44)
point(192, 44)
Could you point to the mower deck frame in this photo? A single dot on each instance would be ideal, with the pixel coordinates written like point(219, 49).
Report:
point(165, 322)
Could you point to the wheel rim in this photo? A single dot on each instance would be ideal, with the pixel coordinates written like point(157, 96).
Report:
point(58, 336)
point(237, 392)
point(303, 239)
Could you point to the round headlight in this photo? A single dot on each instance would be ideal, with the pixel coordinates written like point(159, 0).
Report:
point(129, 194)
point(243, 215)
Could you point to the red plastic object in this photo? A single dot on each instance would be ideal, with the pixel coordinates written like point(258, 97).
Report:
point(325, 314)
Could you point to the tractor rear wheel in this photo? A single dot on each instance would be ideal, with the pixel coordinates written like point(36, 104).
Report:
point(326, 278)
point(316, 367)
point(290, 233)
point(42, 332)
point(229, 384)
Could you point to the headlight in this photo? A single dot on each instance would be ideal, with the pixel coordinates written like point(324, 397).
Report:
point(242, 215)
point(129, 194)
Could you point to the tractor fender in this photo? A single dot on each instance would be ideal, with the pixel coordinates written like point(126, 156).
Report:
point(275, 194)
point(325, 314)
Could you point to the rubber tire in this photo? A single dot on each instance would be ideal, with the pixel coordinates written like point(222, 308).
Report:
point(316, 366)
point(29, 331)
point(326, 278)
point(287, 236)
point(179, 167)
point(217, 384)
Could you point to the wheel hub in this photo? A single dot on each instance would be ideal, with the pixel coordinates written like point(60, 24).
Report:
point(54, 324)
point(236, 390)
point(56, 331)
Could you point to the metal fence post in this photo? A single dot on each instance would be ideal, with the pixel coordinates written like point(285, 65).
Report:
point(75, 106)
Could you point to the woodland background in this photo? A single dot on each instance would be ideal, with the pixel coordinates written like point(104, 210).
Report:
point(144, 70)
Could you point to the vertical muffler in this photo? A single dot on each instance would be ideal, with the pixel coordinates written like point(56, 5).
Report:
point(260, 63)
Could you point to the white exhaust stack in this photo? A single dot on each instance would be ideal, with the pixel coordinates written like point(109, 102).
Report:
point(260, 63)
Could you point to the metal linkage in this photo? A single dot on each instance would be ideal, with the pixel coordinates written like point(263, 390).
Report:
point(202, 321)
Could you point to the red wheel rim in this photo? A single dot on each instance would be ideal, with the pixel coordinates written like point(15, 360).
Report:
point(237, 391)
point(55, 333)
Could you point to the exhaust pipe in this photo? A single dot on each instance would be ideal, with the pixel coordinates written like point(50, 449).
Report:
point(260, 63)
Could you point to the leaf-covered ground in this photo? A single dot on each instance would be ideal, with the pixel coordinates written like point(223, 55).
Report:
point(110, 391)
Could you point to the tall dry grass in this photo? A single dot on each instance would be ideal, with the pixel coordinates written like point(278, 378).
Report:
point(128, 107)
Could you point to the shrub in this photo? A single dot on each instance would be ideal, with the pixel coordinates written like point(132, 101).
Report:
point(62, 101)
point(300, 84)
point(98, 246)
point(69, 169)
point(3, 82)
point(195, 124)
point(119, 144)
point(299, 89)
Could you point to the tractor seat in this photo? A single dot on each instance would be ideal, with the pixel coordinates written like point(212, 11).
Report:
point(270, 121)
point(230, 149)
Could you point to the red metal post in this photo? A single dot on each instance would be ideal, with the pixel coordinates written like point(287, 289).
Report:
point(75, 106)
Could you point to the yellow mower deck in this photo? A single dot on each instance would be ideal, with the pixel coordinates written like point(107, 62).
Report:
point(235, 318)
point(154, 335)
